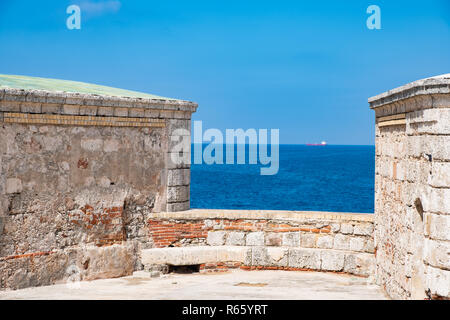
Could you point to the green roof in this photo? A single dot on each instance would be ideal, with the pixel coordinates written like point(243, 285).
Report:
point(34, 83)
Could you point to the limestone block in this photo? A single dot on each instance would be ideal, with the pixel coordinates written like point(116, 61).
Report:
point(437, 253)
point(273, 239)
point(255, 239)
point(439, 201)
point(359, 263)
point(121, 112)
point(13, 185)
point(325, 242)
point(438, 281)
point(178, 177)
point(177, 194)
point(342, 242)
point(432, 121)
point(88, 111)
point(438, 146)
point(108, 262)
point(304, 258)
point(51, 108)
point(357, 244)
point(363, 229)
point(232, 254)
point(291, 239)
point(332, 260)
point(216, 238)
point(30, 107)
point(440, 176)
point(71, 109)
point(105, 111)
point(308, 240)
point(235, 239)
point(269, 256)
point(439, 226)
point(178, 206)
point(346, 228)
point(10, 106)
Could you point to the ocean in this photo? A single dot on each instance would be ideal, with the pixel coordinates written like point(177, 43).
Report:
point(310, 178)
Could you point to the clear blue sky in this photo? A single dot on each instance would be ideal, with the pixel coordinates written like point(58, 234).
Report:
point(305, 67)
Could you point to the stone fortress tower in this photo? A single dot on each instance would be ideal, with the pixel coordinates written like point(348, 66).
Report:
point(412, 189)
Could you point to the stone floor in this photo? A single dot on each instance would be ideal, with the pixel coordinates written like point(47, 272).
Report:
point(237, 284)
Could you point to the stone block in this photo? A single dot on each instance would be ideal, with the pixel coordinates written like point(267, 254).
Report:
point(121, 112)
point(346, 228)
point(13, 185)
point(10, 106)
point(235, 239)
point(269, 256)
point(363, 229)
point(325, 242)
point(304, 258)
point(255, 239)
point(438, 281)
point(332, 260)
point(437, 253)
point(51, 108)
point(342, 242)
point(440, 175)
point(291, 239)
point(439, 226)
point(177, 194)
point(105, 111)
point(361, 264)
point(178, 177)
point(438, 201)
point(88, 111)
point(308, 240)
point(357, 244)
point(273, 239)
point(71, 109)
point(30, 107)
point(178, 206)
point(216, 238)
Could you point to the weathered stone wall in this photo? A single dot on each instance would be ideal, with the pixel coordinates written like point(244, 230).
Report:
point(79, 174)
point(412, 189)
point(337, 242)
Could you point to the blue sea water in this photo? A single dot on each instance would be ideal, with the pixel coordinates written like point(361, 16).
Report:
point(323, 178)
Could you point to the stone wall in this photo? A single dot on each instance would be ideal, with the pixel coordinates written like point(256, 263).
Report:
point(412, 189)
point(288, 240)
point(79, 174)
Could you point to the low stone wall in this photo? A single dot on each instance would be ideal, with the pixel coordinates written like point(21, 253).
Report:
point(339, 242)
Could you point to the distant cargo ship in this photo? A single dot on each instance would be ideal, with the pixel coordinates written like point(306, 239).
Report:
point(323, 143)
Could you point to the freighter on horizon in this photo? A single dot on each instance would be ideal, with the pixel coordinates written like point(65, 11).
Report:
point(323, 143)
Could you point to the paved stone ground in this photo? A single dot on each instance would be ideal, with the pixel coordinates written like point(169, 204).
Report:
point(238, 284)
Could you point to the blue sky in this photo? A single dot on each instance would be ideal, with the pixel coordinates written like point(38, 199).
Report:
point(304, 67)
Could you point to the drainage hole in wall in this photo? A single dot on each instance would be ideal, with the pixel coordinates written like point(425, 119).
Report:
point(184, 269)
